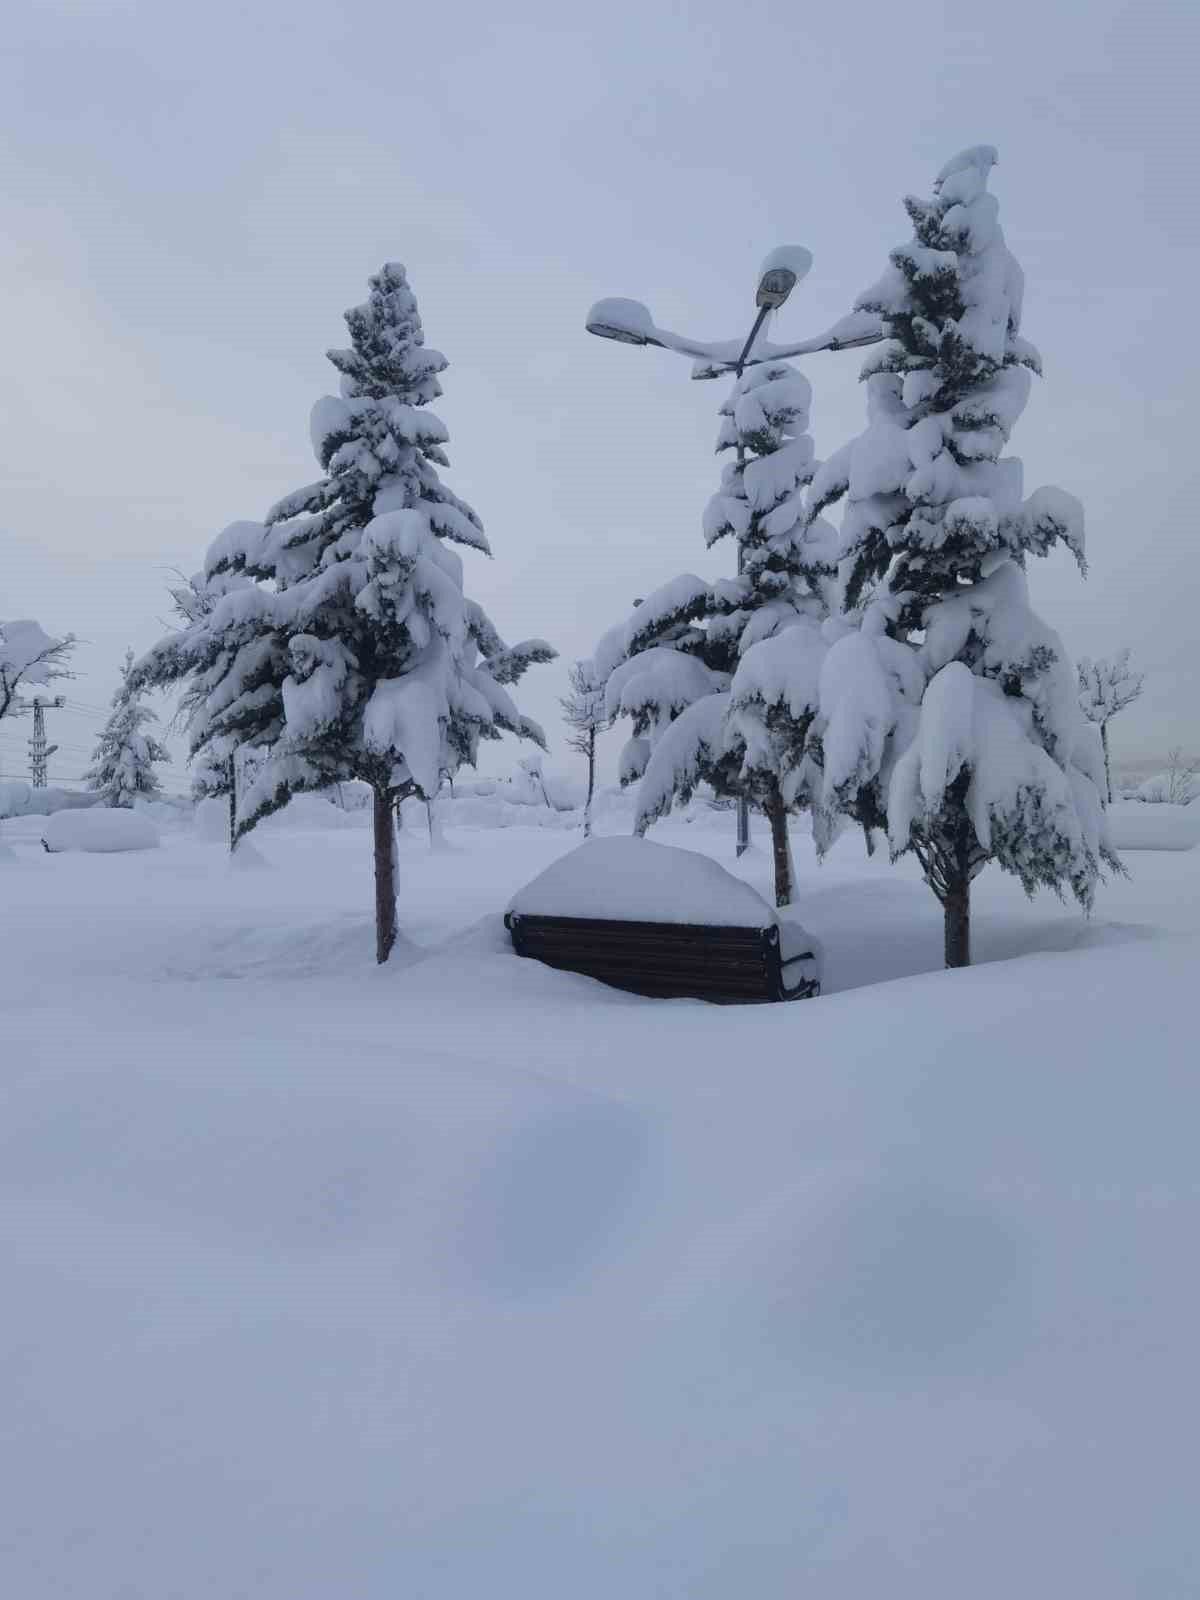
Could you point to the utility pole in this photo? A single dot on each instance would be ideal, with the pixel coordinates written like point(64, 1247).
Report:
point(39, 750)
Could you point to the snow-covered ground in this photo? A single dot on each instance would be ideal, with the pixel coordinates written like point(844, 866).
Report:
point(467, 1279)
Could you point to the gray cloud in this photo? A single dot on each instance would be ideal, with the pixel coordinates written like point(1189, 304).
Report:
point(195, 194)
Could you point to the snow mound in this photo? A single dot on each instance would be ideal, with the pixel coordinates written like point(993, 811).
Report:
point(633, 880)
point(7, 853)
point(1137, 826)
point(99, 830)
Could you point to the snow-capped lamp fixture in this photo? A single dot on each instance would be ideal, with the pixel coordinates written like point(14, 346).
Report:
point(780, 273)
point(626, 321)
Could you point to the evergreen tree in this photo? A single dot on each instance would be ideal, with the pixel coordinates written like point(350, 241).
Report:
point(217, 655)
point(583, 713)
point(122, 768)
point(680, 648)
point(949, 713)
point(1106, 687)
point(364, 658)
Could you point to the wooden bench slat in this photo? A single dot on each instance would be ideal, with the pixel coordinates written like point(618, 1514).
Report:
point(680, 960)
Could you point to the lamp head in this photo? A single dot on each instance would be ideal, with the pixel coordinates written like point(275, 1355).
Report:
point(780, 273)
point(626, 321)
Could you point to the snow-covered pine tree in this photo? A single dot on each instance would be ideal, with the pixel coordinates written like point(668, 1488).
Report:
point(369, 661)
point(583, 713)
point(682, 644)
point(126, 755)
point(227, 666)
point(950, 714)
point(1107, 686)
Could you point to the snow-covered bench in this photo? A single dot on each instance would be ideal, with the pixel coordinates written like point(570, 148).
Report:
point(661, 921)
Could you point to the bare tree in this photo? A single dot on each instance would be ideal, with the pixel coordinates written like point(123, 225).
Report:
point(583, 713)
point(1181, 778)
point(29, 658)
point(1107, 686)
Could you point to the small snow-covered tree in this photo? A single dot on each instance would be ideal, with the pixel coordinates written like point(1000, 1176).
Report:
point(681, 647)
point(226, 668)
point(950, 714)
point(29, 659)
point(126, 754)
point(365, 658)
point(1107, 686)
point(583, 713)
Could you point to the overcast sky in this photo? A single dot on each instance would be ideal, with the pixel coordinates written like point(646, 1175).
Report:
point(195, 193)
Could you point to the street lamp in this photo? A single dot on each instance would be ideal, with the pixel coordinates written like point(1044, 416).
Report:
point(630, 322)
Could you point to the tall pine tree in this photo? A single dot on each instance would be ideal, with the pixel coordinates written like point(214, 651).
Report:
point(363, 657)
point(949, 713)
point(126, 755)
point(683, 643)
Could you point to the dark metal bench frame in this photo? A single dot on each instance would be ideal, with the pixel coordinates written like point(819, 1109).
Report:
point(666, 959)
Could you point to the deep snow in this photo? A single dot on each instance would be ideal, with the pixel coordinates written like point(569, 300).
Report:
point(466, 1278)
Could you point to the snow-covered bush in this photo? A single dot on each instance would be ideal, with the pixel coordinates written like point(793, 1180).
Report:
point(126, 755)
point(949, 714)
point(1177, 785)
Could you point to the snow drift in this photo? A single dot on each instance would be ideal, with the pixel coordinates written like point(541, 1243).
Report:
point(101, 830)
point(1133, 825)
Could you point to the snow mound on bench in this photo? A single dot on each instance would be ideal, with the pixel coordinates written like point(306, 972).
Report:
point(633, 880)
point(101, 829)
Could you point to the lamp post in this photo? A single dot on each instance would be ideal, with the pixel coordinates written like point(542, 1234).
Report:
point(630, 322)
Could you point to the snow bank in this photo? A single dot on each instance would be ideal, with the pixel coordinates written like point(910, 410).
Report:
point(99, 831)
point(1133, 825)
point(19, 799)
point(634, 880)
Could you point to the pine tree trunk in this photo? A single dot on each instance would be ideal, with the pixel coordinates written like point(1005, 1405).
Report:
point(781, 851)
point(232, 805)
point(1107, 768)
point(957, 908)
point(385, 875)
point(587, 809)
